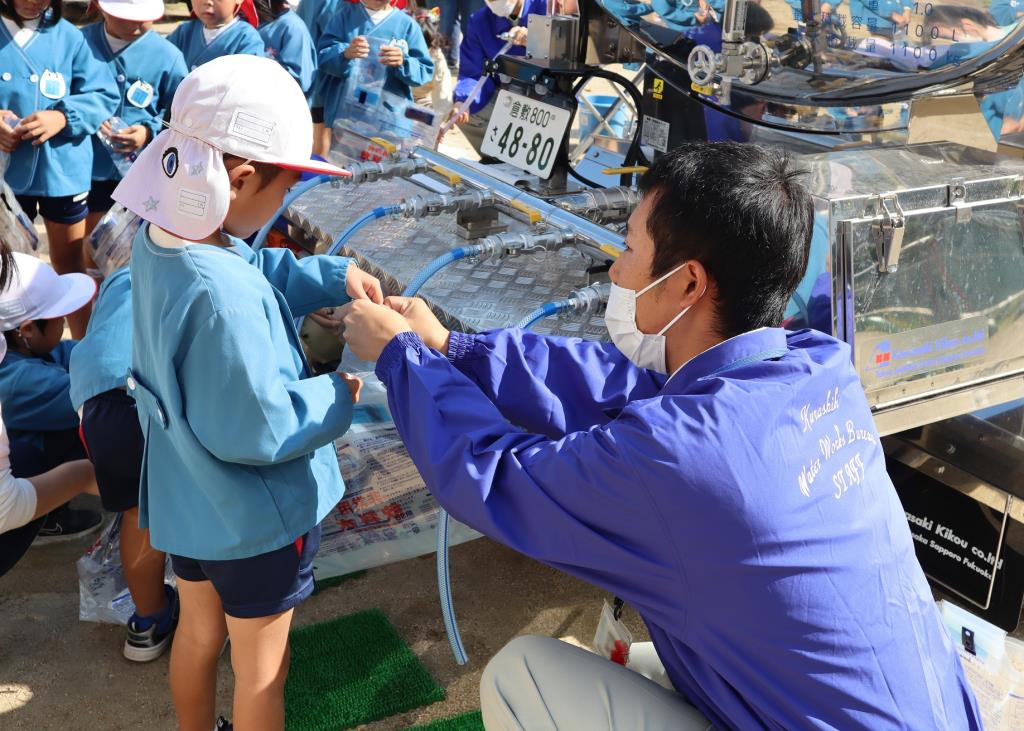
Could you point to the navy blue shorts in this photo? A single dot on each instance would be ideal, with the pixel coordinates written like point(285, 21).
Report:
point(260, 586)
point(317, 113)
point(113, 437)
point(99, 200)
point(64, 209)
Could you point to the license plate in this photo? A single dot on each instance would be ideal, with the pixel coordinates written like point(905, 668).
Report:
point(526, 133)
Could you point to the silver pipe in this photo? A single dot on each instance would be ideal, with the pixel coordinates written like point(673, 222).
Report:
point(607, 242)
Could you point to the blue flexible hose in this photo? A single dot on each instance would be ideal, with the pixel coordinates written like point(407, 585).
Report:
point(546, 310)
point(437, 265)
point(378, 212)
point(293, 195)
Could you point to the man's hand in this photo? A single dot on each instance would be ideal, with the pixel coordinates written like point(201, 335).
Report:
point(42, 125)
point(358, 48)
point(518, 35)
point(360, 285)
point(354, 383)
point(422, 320)
point(392, 56)
point(460, 118)
point(369, 327)
point(130, 139)
point(9, 139)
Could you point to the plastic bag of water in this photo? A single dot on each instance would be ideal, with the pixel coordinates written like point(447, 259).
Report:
point(122, 160)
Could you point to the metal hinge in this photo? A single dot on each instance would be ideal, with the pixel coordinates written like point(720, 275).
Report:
point(956, 196)
point(890, 240)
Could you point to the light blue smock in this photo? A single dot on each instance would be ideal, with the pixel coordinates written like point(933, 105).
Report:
point(481, 44)
point(239, 454)
point(351, 20)
point(239, 38)
point(319, 14)
point(286, 40)
point(35, 390)
point(150, 59)
point(63, 165)
point(104, 355)
point(1007, 12)
point(742, 506)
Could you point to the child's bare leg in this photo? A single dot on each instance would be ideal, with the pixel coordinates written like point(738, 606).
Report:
point(65, 241)
point(197, 646)
point(259, 656)
point(143, 566)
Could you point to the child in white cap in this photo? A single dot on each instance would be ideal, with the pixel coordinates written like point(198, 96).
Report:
point(239, 464)
point(34, 380)
point(220, 28)
point(147, 69)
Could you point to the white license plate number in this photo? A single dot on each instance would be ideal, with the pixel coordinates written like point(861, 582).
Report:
point(526, 133)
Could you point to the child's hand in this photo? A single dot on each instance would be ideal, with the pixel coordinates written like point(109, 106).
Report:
point(369, 327)
point(391, 56)
point(42, 125)
point(130, 139)
point(9, 139)
point(359, 285)
point(354, 383)
point(358, 48)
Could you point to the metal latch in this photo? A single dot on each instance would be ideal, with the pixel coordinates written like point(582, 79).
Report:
point(893, 227)
point(956, 193)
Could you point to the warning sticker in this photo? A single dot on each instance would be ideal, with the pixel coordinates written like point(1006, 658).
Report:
point(655, 134)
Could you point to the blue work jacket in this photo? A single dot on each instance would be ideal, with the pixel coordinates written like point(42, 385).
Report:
point(351, 20)
point(78, 85)
point(147, 73)
point(286, 40)
point(102, 357)
point(742, 506)
point(240, 38)
point(239, 454)
point(481, 44)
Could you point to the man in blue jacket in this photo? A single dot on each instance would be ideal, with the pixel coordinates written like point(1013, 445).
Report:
point(480, 44)
point(720, 474)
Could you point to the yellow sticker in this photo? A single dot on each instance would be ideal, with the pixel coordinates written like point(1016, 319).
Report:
point(705, 90)
point(659, 86)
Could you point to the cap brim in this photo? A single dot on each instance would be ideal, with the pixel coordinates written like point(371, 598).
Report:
point(139, 13)
point(316, 167)
point(81, 288)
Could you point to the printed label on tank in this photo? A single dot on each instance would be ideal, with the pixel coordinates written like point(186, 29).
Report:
point(939, 347)
point(655, 134)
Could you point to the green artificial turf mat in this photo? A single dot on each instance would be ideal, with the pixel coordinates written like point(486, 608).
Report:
point(350, 671)
point(471, 721)
point(320, 585)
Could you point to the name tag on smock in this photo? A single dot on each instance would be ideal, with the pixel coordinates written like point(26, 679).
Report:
point(139, 94)
point(52, 85)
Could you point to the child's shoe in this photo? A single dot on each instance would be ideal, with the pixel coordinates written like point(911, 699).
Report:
point(65, 524)
point(223, 725)
point(149, 637)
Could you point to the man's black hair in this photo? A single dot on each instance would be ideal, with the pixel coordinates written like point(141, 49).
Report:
point(951, 15)
point(744, 214)
point(50, 16)
point(759, 21)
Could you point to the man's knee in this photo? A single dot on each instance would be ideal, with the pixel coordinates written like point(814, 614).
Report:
point(508, 670)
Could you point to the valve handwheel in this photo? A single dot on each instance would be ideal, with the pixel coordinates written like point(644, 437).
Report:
point(702, 66)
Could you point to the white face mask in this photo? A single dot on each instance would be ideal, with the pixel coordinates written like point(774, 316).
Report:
point(501, 8)
point(646, 351)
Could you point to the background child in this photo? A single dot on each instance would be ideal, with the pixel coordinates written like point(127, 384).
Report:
point(317, 14)
point(147, 69)
point(34, 381)
point(61, 94)
point(216, 31)
point(405, 53)
point(239, 465)
point(286, 40)
point(441, 86)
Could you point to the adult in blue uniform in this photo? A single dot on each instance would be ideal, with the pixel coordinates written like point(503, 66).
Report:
point(481, 44)
point(147, 69)
point(721, 475)
point(287, 40)
point(220, 28)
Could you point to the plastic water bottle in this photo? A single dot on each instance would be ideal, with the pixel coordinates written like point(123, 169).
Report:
point(5, 157)
point(122, 160)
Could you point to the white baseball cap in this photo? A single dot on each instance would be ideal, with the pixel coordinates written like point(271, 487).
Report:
point(36, 292)
point(241, 105)
point(141, 11)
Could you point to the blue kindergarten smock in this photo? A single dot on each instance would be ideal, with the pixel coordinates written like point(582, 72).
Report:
point(351, 20)
point(103, 356)
point(481, 44)
point(286, 40)
point(239, 456)
point(743, 508)
point(239, 37)
point(147, 73)
point(76, 84)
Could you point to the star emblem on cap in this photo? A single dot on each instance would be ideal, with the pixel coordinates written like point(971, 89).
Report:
point(151, 203)
point(196, 170)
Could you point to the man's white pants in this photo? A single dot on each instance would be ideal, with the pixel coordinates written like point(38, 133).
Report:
point(539, 683)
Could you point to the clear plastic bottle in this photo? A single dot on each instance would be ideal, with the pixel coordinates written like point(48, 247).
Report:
point(122, 160)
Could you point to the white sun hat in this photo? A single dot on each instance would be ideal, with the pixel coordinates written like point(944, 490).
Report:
point(36, 292)
point(141, 11)
point(240, 105)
